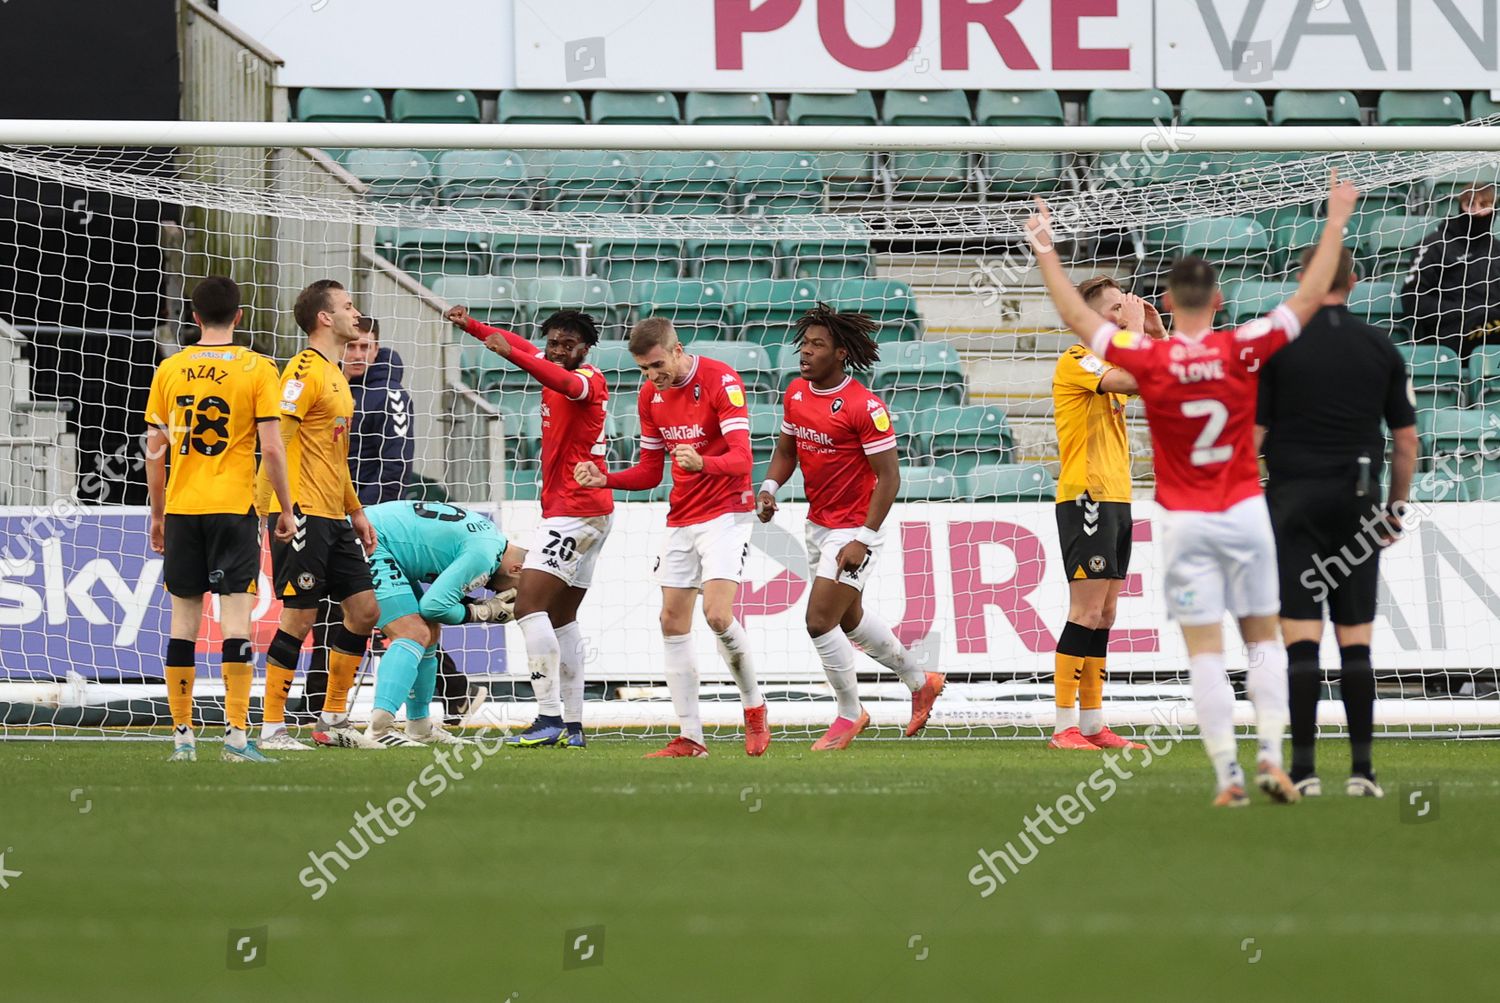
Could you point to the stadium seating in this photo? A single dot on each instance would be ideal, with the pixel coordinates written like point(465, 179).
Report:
point(635, 108)
point(1483, 106)
point(751, 361)
point(1483, 386)
point(732, 259)
point(1378, 302)
point(1440, 486)
point(765, 427)
point(540, 108)
point(548, 294)
point(772, 183)
point(429, 254)
point(889, 301)
point(1443, 191)
point(529, 256)
point(697, 309)
point(1315, 108)
point(1436, 375)
point(1251, 298)
point(961, 438)
point(930, 484)
point(458, 106)
point(319, 104)
point(612, 359)
point(707, 108)
point(763, 310)
point(1468, 435)
point(1419, 108)
point(1237, 246)
point(929, 173)
point(638, 262)
point(686, 184)
point(392, 175)
point(1127, 107)
point(1011, 482)
point(916, 378)
point(494, 179)
point(826, 259)
point(589, 181)
point(1207, 108)
point(1388, 244)
point(847, 174)
point(490, 299)
point(1012, 174)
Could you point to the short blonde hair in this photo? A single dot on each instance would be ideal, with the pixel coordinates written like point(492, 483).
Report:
point(651, 333)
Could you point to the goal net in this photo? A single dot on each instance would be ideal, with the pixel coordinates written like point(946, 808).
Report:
point(99, 248)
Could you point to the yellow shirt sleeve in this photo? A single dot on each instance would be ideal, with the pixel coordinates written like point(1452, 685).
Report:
point(1081, 370)
point(300, 390)
point(267, 390)
point(157, 412)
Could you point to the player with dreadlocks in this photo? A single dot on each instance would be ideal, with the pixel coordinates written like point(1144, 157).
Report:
point(841, 435)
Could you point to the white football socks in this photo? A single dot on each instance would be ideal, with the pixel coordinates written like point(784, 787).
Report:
point(838, 664)
point(1213, 700)
point(682, 681)
point(1266, 685)
point(734, 648)
point(381, 721)
point(1067, 717)
point(542, 656)
point(235, 738)
point(1091, 721)
point(183, 735)
point(570, 665)
point(879, 642)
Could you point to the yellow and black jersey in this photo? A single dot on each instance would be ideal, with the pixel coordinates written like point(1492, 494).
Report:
point(1091, 438)
point(208, 401)
point(316, 411)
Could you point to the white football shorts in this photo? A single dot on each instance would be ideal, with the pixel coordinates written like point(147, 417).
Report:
point(1221, 561)
point(823, 546)
point(567, 547)
point(705, 551)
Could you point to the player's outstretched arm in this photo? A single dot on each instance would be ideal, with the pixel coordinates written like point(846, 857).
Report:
point(783, 464)
point(1317, 278)
point(526, 356)
point(273, 459)
point(1075, 313)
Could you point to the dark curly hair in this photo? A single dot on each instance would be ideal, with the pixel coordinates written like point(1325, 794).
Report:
point(853, 332)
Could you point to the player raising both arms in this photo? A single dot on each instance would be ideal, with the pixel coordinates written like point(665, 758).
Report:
point(453, 551)
point(575, 519)
point(694, 408)
point(324, 557)
point(1199, 387)
point(1093, 515)
point(208, 404)
point(840, 434)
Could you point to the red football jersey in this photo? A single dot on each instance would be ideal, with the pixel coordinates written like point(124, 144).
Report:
point(1200, 404)
point(698, 412)
point(573, 431)
point(836, 431)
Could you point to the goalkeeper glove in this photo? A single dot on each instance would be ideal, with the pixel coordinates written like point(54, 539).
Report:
point(500, 608)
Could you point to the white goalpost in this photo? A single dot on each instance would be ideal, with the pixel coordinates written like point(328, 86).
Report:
point(731, 232)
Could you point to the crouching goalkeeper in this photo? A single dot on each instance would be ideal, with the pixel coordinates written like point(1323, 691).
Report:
point(453, 552)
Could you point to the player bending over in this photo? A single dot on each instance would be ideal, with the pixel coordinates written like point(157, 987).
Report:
point(208, 405)
point(693, 407)
point(1199, 388)
point(840, 434)
point(324, 558)
point(575, 520)
point(1093, 515)
point(453, 551)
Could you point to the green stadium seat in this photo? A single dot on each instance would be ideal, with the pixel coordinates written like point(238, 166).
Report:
point(1281, 217)
point(589, 181)
point(624, 445)
point(917, 378)
point(324, 104)
point(1237, 246)
point(889, 301)
point(964, 437)
point(1484, 375)
point(751, 361)
point(1440, 486)
point(1467, 435)
point(848, 174)
point(1251, 298)
point(457, 106)
point(1387, 245)
point(613, 359)
point(826, 259)
point(697, 309)
point(708, 108)
point(540, 108)
point(1013, 174)
point(485, 371)
point(764, 310)
point(1012, 482)
point(430, 254)
point(697, 185)
point(490, 299)
point(788, 358)
point(1419, 108)
point(523, 482)
point(1128, 107)
point(1481, 105)
point(732, 258)
point(392, 175)
point(765, 427)
point(530, 256)
point(593, 296)
point(931, 173)
point(1207, 108)
point(1378, 302)
point(635, 108)
point(1315, 108)
point(1042, 107)
point(773, 183)
point(1437, 375)
point(515, 400)
point(638, 262)
point(929, 484)
point(494, 179)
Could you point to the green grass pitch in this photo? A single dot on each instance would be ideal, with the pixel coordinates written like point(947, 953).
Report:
point(794, 877)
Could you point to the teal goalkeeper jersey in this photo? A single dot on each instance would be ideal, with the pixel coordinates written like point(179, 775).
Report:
point(450, 549)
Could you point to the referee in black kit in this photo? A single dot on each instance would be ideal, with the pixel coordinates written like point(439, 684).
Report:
point(1322, 399)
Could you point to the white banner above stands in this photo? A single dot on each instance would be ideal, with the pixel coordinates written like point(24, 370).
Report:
point(811, 45)
point(1328, 44)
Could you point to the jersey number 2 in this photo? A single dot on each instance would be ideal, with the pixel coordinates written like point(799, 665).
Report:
point(1206, 449)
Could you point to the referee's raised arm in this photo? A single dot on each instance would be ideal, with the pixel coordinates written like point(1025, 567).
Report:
point(1318, 274)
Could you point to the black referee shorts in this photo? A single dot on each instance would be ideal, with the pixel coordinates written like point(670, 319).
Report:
point(1323, 552)
point(217, 552)
point(323, 559)
point(1095, 538)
